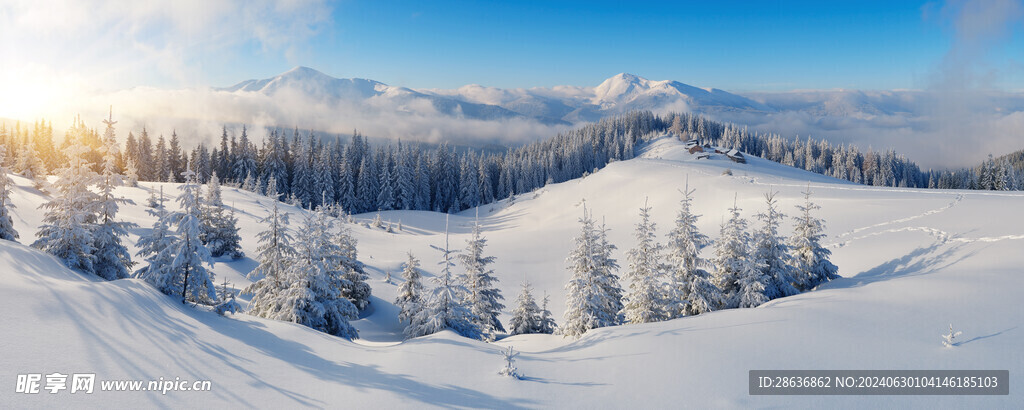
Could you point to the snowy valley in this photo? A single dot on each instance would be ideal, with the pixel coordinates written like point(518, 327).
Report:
point(911, 261)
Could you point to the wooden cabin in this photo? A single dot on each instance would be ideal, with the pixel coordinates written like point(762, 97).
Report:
point(736, 156)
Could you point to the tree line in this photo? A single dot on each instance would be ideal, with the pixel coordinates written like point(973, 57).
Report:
point(311, 170)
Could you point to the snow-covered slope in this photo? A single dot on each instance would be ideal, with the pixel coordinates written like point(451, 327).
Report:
point(912, 261)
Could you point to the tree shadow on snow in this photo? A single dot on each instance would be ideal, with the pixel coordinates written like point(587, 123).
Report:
point(921, 261)
point(546, 381)
point(148, 319)
point(984, 337)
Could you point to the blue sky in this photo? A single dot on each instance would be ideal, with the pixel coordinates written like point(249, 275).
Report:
point(733, 45)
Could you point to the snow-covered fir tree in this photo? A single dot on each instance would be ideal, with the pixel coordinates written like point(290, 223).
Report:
point(770, 247)
point(810, 258)
point(732, 259)
point(547, 321)
point(313, 294)
point(244, 166)
point(323, 179)
point(219, 229)
point(690, 290)
point(249, 184)
point(386, 197)
point(7, 231)
point(176, 262)
point(302, 172)
point(131, 173)
point(28, 164)
point(644, 302)
point(190, 254)
point(275, 255)
point(154, 247)
point(949, 339)
point(482, 296)
point(444, 307)
point(410, 292)
point(607, 268)
point(592, 300)
point(67, 230)
point(351, 269)
point(367, 186)
point(526, 317)
point(752, 283)
point(405, 179)
point(111, 258)
point(510, 369)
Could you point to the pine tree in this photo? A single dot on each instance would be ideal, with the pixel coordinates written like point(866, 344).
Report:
point(177, 265)
point(7, 231)
point(175, 159)
point(406, 181)
point(155, 248)
point(410, 292)
point(386, 197)
point(219, 230)
point(161, 171)
point(751, 283)
point(607, 267)
point(482, 296)
point(248, 184)
point(547, 322)
point(691, 291)
point(131, 173)
point(274, 163)
point(302, 175)
point(367, 188)
point(227, 302)
point(275, 256)
point(644, 302)
point(190, 254)
point(67, 230)
point(355, 287)
point(29, 165)
point(810, 258)
point(731, 257)
point(111, 258)
point(323, 180)
point(244, 165)
point(275, 247)
point(313, 294)
point(526, 317)
point(146, 157)
point(444, 308)
point(770, 248)
point(591, 301)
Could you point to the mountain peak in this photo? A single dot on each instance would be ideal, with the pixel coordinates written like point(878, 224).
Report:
point(618, 86)
point(303, 72)
point(627, 77)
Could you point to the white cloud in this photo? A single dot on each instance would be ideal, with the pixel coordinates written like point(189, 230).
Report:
point(111, 42)
point(198, 115)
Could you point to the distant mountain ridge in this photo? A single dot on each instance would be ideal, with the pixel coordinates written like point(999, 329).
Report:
point(557, 105)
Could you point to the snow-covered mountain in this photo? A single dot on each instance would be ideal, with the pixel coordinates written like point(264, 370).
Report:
point(312, 86)
point(912, 263)
point(557, 105)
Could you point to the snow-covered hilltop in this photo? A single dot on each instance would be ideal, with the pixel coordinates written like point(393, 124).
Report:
point(912, 262)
